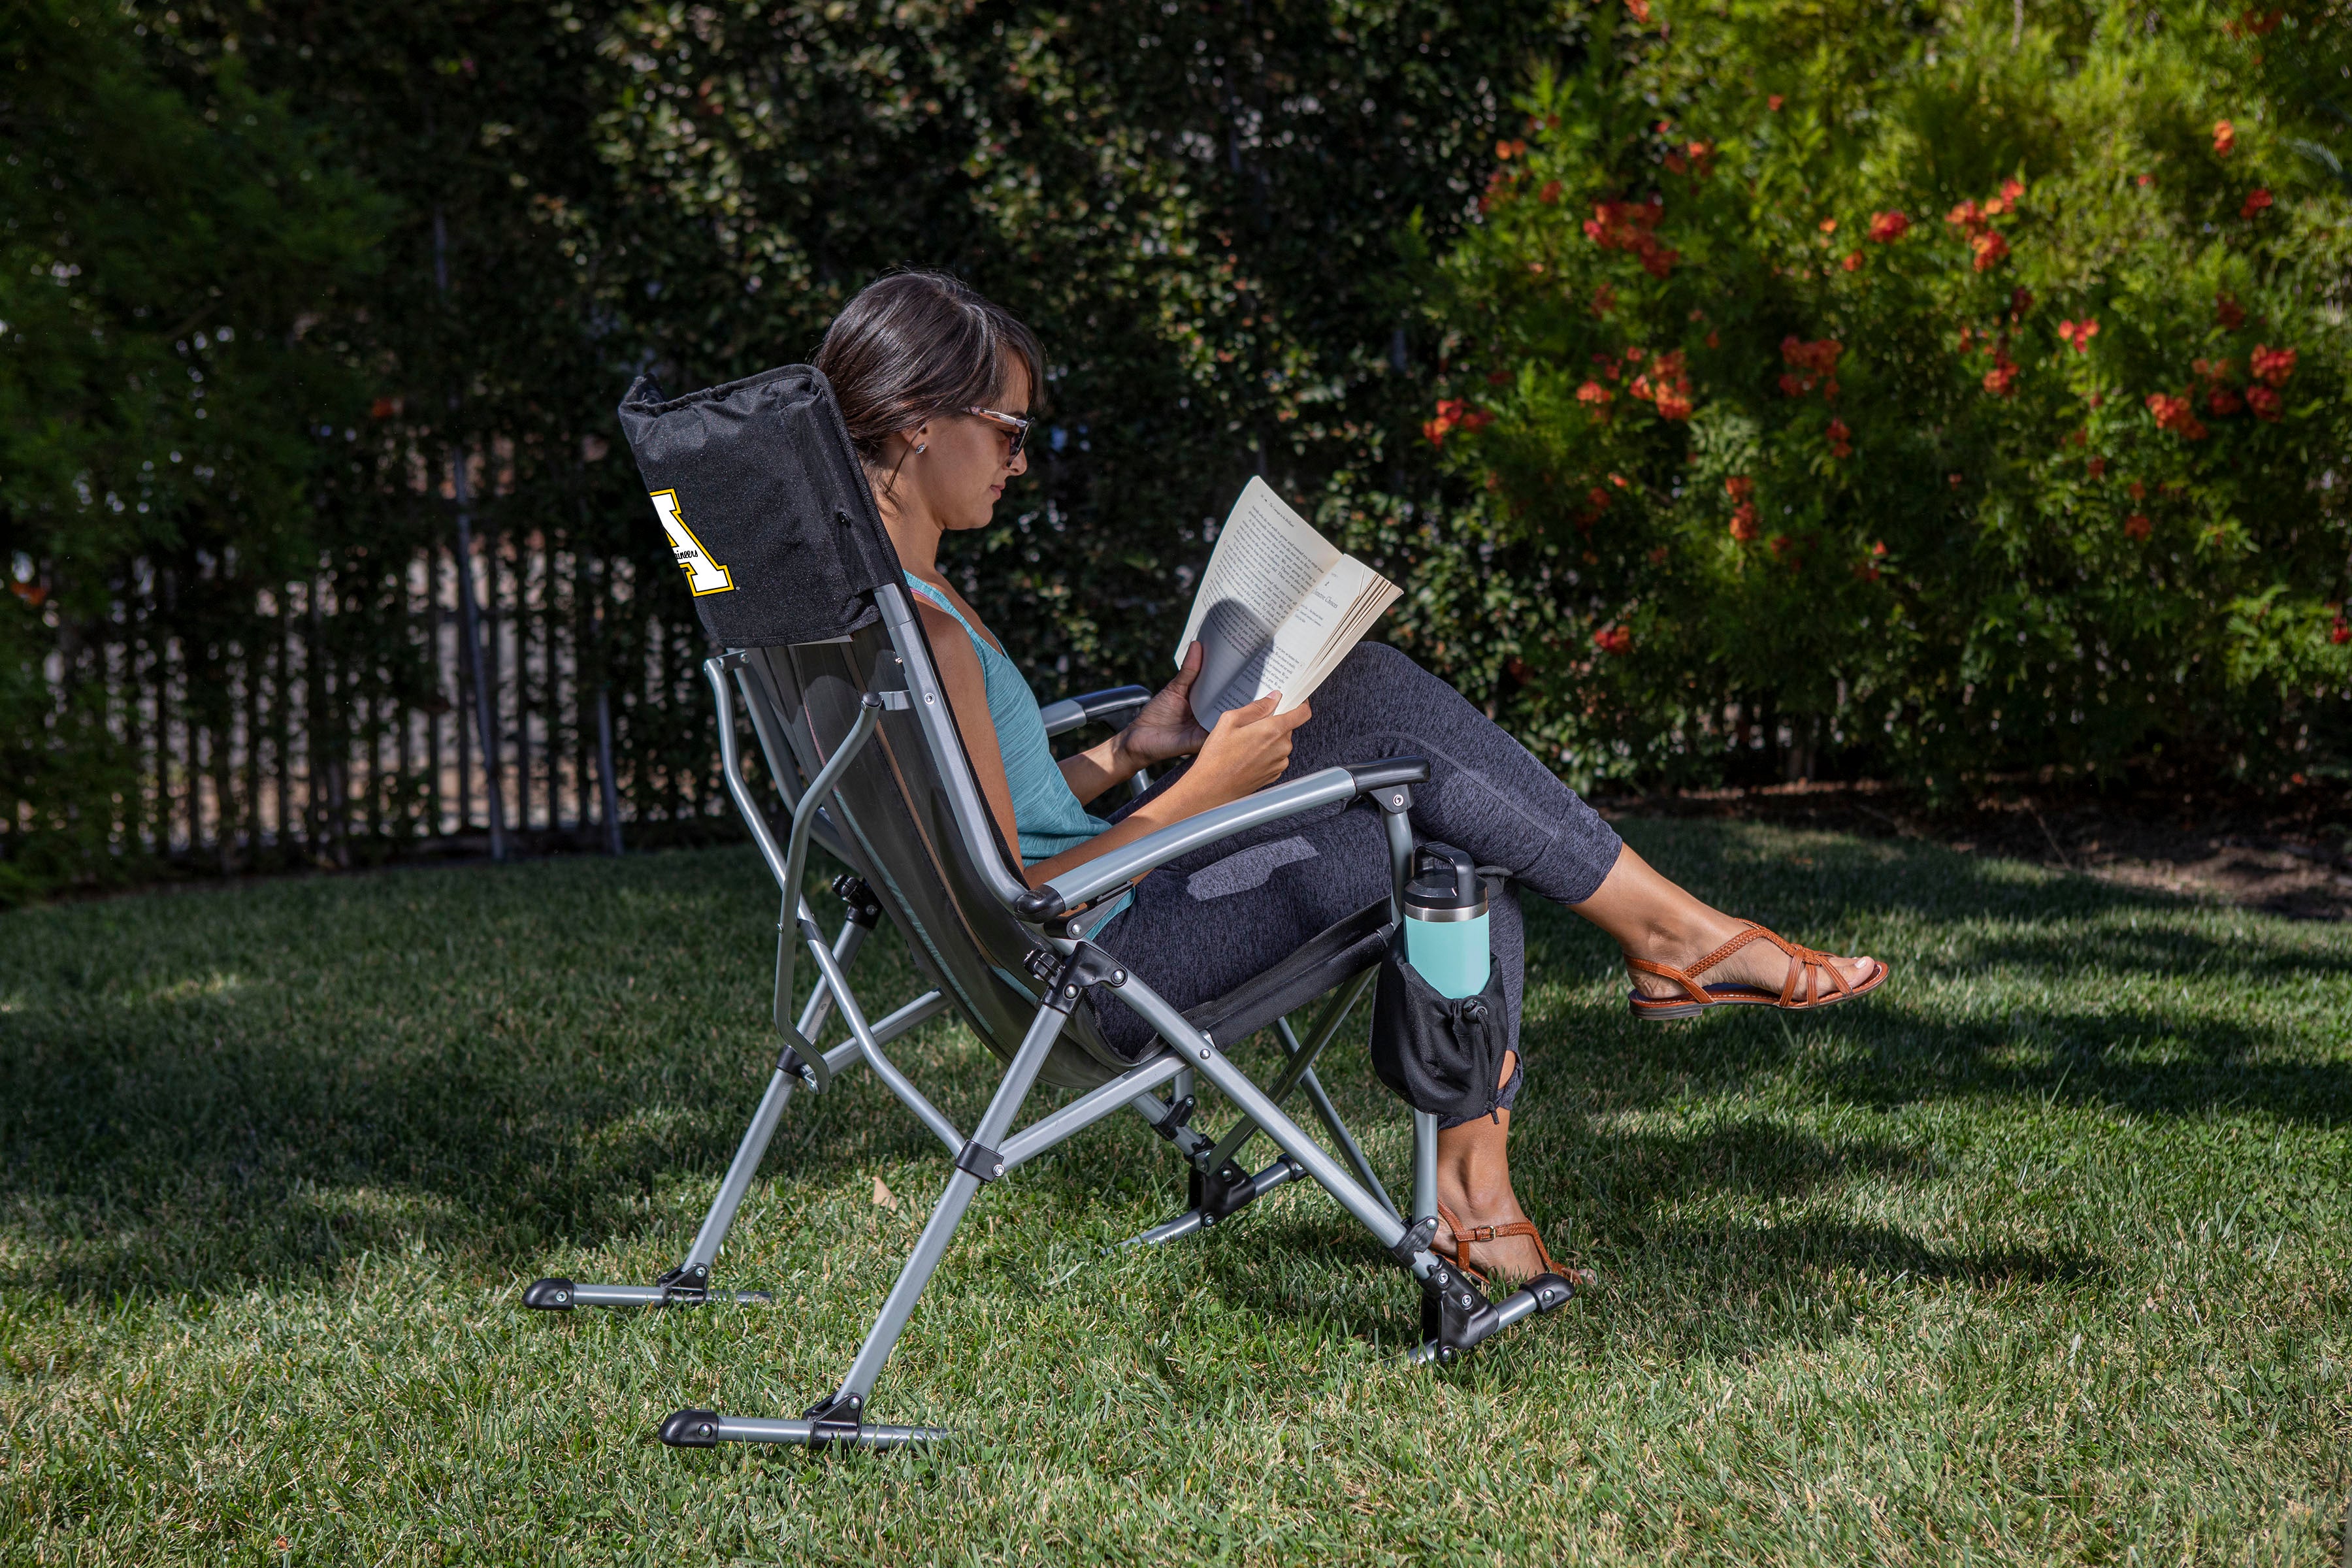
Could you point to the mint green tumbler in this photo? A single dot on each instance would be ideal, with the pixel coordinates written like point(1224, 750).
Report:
point(1445, 921)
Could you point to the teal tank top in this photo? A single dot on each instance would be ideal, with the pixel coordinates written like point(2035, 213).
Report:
point(1048, 815)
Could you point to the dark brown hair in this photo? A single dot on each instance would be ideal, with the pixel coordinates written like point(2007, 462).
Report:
point(915, 344)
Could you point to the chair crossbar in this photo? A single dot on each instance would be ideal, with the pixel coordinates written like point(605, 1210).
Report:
point(1090, 1108)
point(1302, 1061)
point(870, 1047)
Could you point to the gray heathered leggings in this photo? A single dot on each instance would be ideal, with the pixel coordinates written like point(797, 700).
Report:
point(1202, 925)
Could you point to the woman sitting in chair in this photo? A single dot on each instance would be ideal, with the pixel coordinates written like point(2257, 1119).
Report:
point(934, 384)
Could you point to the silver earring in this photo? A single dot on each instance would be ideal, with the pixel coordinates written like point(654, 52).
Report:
point(922, 447)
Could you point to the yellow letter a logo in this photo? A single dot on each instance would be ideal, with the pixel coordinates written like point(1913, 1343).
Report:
point(703, 574)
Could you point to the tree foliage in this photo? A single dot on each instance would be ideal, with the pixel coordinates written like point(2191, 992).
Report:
point(163, 260)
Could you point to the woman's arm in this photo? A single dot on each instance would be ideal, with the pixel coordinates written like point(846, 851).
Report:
point(1246, 752)
point(967, 693)
point(1164, 728)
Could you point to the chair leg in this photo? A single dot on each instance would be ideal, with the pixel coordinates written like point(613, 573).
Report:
point(1457, 1316)
point(1350, 1150)
point(1218, 1188)
point(689, 1283)
point(839, 1418)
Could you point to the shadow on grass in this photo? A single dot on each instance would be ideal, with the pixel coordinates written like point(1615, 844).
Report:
point(204, 1089)
point(1795, 880)
point(1619, 1203)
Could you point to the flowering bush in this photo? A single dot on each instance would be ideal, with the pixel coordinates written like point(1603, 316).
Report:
point(1969, 397)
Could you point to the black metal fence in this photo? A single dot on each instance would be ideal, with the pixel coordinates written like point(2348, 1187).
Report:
point(336, 719)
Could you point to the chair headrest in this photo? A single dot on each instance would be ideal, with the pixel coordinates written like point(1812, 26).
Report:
point(765, 505)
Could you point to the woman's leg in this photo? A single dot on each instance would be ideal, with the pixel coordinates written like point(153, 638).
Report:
point(1486, 794)
point(1489, 796)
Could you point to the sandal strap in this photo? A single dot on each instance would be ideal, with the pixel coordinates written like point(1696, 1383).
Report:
point(1751, 932)
point(1803, 961)
point(1690, 987)
point(1464, 1235)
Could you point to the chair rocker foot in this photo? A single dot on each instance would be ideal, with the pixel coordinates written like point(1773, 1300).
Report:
point(553, 1295)
point(1456, 1316)
point(707, 1429)
point(1219, 1196)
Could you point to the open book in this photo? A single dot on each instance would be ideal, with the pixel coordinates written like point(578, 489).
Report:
point(1277, 610)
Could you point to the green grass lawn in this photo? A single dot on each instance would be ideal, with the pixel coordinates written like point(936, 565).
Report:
point(2041, 1255)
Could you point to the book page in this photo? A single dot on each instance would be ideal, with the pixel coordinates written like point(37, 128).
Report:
point(1344, 606)
point(1267, 561)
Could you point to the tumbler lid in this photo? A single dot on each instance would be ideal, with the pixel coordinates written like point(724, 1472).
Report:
point(1445, 885)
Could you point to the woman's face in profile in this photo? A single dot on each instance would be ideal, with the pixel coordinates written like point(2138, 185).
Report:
point(963, 469)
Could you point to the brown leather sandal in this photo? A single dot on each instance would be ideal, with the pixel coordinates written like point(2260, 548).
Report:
point(1802, 989)
point(1582, 1278)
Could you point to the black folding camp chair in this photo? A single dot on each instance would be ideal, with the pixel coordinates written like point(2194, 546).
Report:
point(858, 738)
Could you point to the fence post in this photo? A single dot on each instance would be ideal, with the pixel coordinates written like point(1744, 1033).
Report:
point(485, 700)
point(485, 710)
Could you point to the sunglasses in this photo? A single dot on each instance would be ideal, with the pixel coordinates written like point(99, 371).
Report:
point(1015, 428)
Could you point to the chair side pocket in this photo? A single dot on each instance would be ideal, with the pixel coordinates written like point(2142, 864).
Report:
point(1437, 1053)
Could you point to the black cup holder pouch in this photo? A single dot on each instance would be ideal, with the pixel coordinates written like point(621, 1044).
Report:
point(1438, 1054)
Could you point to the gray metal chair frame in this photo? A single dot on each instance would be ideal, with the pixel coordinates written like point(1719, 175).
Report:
point(859, 742)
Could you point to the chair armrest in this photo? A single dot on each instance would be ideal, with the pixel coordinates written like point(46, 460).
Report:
point(1092, 706)
point(1083, 884)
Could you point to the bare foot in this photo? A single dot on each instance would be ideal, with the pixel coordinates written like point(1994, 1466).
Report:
point(1757, 963)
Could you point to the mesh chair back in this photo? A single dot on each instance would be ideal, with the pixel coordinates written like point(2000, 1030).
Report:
point(769, 517)
point(903, 817)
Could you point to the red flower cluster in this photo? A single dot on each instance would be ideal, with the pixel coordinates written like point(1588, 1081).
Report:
point(1597, 397)
point(2229, 313)
point(1840, 440)
point(2222, 398)
point(2253, 24)
point(2341, 632)
point(1615, 639)
point(1742, 491)
point(1628, 226)
point(2225, 139)
point(2098, 467)
point(1695, 159)
point(1885, 228)
point(1640, 10)
point(1853, 262)
point(2175, 413)
point(1665, 386)
point(1987, 242)
point(2272, 365)
point(2002, 379)
point(1549, 195)
point(1604, 299)
point(1452, 414)
point(2138, 525)
point(2079, 333)
point(1817, 362)
point(2256, 200)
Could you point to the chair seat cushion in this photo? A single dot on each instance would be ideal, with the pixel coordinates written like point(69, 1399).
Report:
point(1323, 962)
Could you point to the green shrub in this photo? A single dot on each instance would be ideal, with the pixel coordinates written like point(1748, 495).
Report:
point(1934, 390)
